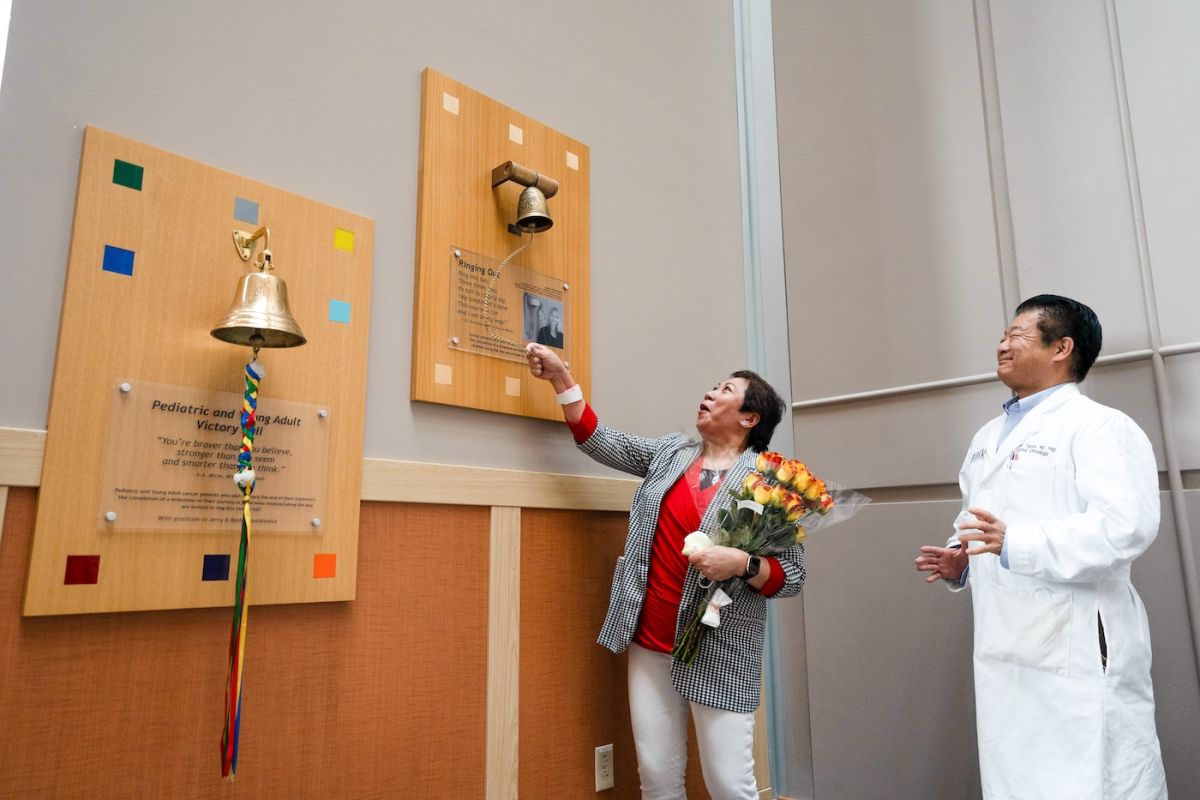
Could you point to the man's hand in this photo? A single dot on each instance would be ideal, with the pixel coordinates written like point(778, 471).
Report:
point(990, 535)
point(946, 563)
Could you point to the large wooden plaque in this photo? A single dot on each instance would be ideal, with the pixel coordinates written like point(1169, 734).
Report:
point(477, 304)
point(132, 512)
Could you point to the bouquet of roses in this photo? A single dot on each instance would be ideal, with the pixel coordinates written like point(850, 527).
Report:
point(774, 508)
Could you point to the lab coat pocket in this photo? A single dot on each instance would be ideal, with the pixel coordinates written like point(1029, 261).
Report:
point(1031, 479)
point(1029, 628)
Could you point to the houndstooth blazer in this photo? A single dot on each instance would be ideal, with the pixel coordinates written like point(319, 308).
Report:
point(728, 670)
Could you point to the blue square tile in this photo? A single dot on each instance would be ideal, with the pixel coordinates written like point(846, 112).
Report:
point(339, 311)
point(245, 210)
point(216, 567)
point(117, 260)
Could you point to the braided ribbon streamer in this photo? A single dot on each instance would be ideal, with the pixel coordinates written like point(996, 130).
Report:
point(237, 636)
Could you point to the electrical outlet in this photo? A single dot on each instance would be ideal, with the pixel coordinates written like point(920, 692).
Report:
point(604, 767)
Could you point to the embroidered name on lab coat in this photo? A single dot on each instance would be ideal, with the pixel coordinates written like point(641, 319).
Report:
point(1029, 449)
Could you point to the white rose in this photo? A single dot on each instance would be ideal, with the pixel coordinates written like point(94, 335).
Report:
point(695, 542)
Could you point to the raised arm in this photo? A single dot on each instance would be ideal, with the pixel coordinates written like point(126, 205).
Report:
point(544, 363)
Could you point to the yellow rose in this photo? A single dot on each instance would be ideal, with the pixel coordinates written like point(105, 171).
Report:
point(762, 492)
point(802, 478)
point(786, 471)
point(824, 504)
point(778, 494)
point(800, 534)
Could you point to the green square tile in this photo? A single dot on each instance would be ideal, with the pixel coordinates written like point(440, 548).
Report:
point(126, 174)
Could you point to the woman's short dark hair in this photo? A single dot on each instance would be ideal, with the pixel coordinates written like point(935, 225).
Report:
point(762, 399)
point(1061, 316)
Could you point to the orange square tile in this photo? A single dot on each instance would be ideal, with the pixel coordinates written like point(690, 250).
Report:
point(325, 565)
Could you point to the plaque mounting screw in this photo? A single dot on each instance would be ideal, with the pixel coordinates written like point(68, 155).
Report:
point(126, 388)
point(316, 522)
point(566, 287)
point(457, 253)
point(454, 341)
point(111, 516)
point(567, 364)
point(322, 413)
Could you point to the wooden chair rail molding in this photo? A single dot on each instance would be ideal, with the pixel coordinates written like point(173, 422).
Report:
point(399, 481)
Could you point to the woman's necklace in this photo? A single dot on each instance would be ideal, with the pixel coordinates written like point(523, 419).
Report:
point(710, 477)
point(713, 466)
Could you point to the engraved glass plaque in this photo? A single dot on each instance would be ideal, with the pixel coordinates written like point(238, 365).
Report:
point(496, 310)
point(172, 452)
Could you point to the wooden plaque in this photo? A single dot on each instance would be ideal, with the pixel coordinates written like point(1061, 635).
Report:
point(477, 304)
point(152, 269)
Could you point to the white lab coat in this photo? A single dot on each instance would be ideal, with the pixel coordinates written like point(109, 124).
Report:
point(1077, 486)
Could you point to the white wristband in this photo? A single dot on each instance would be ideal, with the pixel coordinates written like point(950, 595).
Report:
point(572, 395)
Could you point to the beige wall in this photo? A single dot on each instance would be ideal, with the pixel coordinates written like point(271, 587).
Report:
point(940, 161)
point(323, 99)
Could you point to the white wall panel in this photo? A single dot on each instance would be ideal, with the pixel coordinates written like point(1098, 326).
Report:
point(888, 233)
point(1183, 378)
point(902, 441)
point(1162, 72)
point(1066, 165)
point(889, 661)
point(1159, 582)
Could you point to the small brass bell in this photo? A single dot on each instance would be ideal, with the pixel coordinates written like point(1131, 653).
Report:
point(260, 316)
point(533, 215)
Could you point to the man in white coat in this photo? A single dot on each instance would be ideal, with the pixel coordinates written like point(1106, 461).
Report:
point(1060, 495)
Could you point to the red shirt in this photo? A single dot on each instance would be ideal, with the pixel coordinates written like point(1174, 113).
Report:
point(680, 514)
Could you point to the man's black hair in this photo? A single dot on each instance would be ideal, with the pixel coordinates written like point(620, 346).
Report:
point(1059, 317)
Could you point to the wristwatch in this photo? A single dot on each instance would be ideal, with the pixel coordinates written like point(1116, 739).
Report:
point(752, 566)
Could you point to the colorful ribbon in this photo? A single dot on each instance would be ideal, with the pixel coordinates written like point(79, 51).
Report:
point(237, 636)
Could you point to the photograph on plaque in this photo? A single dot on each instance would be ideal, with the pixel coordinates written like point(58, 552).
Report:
point(496, 309)
point(543, 320)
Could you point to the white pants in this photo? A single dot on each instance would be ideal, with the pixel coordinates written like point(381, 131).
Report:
point(659, 715)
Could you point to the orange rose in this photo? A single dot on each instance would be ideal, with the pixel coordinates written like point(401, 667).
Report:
point(824, 504)
point(768, 462)
point(815, 489)
point(793, 507)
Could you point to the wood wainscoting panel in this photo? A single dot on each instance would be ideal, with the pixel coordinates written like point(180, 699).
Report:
point(573, 691)
point(381, 697)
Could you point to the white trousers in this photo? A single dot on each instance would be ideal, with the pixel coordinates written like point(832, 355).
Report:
point(660, 714)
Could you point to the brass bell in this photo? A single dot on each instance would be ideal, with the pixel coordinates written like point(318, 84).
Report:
point(533, 215)
point(260, 316)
